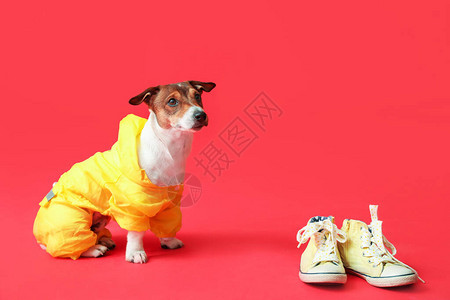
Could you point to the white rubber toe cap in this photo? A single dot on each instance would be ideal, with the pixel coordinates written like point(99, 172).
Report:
point(327, 267)
point(395, 270)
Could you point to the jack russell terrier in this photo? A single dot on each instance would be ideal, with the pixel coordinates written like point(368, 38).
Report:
point(138, 183)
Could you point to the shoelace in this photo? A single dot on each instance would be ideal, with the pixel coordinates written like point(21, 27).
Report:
point(326, 235)
point(374, 243)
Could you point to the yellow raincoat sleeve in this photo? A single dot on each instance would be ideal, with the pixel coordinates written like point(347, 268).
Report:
point(152, 208)
point(167, 222)
point(129, 217)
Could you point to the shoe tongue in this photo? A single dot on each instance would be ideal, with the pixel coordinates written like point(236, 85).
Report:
point(358, 224)
point(320, 218)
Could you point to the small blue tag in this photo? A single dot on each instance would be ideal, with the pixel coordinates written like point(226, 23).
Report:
point(50, 195)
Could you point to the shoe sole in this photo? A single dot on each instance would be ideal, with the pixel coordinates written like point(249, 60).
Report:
point(331, 278)
point(391, 281)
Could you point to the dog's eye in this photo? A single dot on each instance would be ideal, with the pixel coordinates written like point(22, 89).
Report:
point(172, 102)
point(197, 97)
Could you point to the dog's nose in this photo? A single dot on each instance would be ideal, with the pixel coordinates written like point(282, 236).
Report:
point(200, 116)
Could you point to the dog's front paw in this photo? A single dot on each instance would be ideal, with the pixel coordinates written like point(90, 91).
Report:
point(171, 243)
point(95, 251)
point(137, 257)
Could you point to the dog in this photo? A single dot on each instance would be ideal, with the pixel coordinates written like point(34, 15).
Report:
point(138, 183)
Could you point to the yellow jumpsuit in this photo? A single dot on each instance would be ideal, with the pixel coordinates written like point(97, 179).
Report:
point(113, 184)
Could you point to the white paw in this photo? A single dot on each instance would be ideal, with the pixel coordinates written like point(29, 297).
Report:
point(107, 242)
point(171, 243)
point(137, 257)
point(95, 251)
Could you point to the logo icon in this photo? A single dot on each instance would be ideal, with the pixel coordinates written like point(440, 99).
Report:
point(192, 190)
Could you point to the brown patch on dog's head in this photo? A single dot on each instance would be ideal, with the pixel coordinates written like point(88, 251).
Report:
point(171, 102)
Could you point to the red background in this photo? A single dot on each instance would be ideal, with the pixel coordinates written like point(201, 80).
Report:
point(364, 87)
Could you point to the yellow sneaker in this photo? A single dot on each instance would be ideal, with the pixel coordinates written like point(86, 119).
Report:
point(365, 254)
point(320, 262)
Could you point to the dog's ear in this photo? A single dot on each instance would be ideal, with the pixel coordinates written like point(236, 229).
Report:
point(202, 86)
point(145, 96)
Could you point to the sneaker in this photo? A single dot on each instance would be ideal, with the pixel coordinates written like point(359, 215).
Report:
point(365, 254)
point(321, 262)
